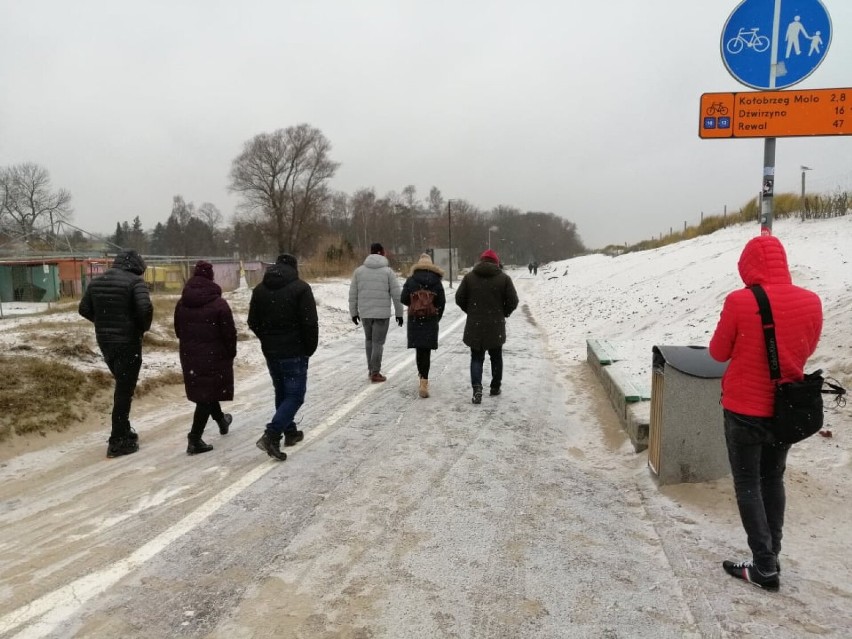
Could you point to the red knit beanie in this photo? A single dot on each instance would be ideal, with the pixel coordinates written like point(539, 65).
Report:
point(490, 255)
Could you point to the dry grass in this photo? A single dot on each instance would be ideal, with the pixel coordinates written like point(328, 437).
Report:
point(150, 384)
point(39, 395)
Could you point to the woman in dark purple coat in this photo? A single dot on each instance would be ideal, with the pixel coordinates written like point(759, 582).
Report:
point(208, 345)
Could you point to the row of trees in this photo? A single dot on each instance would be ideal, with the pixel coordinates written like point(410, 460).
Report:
point(286, 203)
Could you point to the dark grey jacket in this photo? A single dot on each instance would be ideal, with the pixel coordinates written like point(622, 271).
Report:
point(488, 297)
point(118, 302)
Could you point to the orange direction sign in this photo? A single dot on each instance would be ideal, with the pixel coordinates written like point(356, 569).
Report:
point(776, 114)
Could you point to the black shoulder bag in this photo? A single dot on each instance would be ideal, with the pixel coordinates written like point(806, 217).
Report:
point(798, 405)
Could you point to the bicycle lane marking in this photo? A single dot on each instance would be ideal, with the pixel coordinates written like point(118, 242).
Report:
point(53, 608)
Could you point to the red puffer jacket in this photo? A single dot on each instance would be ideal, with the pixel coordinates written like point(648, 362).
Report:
point(797, 312)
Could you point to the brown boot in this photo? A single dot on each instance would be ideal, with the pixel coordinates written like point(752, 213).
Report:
point(424, 387)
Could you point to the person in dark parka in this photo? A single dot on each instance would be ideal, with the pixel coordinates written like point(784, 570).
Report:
point(205, 327)
point(487, 295)
point(423, 331)
point(283, 315)
point(119, 305)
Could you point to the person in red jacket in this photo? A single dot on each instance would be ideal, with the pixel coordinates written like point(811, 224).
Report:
point(757, 461)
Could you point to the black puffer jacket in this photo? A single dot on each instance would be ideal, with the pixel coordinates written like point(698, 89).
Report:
point(118, 301)
point(283, 314)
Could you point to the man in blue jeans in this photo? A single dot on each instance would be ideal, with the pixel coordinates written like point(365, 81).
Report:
point(283, 315)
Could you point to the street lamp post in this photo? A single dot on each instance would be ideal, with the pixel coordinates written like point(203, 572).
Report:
point(804, 168)
point(450, 237)
point(491, 230)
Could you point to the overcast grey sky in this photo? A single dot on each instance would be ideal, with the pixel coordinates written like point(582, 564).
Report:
point(587, 110)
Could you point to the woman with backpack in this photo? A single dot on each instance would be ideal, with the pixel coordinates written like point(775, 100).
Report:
point(423, 294)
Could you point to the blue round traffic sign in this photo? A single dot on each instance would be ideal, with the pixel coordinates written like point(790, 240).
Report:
point(770, 44)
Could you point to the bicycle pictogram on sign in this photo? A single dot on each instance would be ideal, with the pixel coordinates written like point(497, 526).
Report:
point(747, 38)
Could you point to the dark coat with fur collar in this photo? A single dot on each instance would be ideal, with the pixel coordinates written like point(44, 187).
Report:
point(423, 331)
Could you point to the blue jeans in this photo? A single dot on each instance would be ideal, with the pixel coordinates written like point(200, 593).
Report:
point(477, 362)
point(758, 465)
point(290, 379)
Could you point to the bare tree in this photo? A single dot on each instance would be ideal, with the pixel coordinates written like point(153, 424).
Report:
point(284, 174)
point(28, 203)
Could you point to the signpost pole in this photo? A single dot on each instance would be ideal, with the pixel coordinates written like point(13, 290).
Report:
point(768, 186)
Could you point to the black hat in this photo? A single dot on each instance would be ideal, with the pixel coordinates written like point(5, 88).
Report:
point(286, 258)
point(377, 249)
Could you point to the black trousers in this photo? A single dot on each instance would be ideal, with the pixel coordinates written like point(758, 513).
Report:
point(758, 465)
point(477, 363)
point(124, 362)
point(423, 358)
point(203, 412)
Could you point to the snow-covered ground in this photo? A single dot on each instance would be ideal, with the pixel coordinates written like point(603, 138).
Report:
point(528, 516)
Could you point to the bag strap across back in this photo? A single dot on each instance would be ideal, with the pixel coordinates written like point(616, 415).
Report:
point(768, 331)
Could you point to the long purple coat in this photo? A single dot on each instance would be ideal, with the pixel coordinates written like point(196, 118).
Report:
point(205, 327)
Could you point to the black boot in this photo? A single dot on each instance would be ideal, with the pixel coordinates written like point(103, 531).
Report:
point(477, 394)
point(196, 445)
point(117, 448)
point(293, 437)
point(224, 423)
point(271, 444)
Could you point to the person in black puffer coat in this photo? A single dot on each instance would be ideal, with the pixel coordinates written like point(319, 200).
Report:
point(423, 331)
point(205, 327)
point(120, 306)
point(283, 315)
point(487, 295)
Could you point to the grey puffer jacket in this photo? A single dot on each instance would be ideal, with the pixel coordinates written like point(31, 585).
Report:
point(374, 286)
point(118, 301)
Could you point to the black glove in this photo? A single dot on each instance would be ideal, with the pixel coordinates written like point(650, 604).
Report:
point(399, 321)
point(355, 320)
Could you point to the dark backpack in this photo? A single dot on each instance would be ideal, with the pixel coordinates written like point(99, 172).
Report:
point(422, 304)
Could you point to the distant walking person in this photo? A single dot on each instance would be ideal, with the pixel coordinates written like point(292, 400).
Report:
point(488, 297)
point(757, 461)
point(374, 288)
point(120, 306)
point(423, 294)
point(535, 268)
point(205, 327)
point(283, 315)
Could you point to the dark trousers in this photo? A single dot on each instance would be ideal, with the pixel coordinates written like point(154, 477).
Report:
point(290, 379)
point(203, 412)
point(477, 362)
point(124, 362)
point(423, 358)
point(758, 465)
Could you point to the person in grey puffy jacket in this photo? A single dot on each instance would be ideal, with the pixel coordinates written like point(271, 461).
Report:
point(373, 289)
point(119, 305)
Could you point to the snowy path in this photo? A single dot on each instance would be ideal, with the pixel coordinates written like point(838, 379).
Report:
point(397, 517)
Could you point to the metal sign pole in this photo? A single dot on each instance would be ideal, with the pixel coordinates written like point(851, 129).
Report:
point(768, 189)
